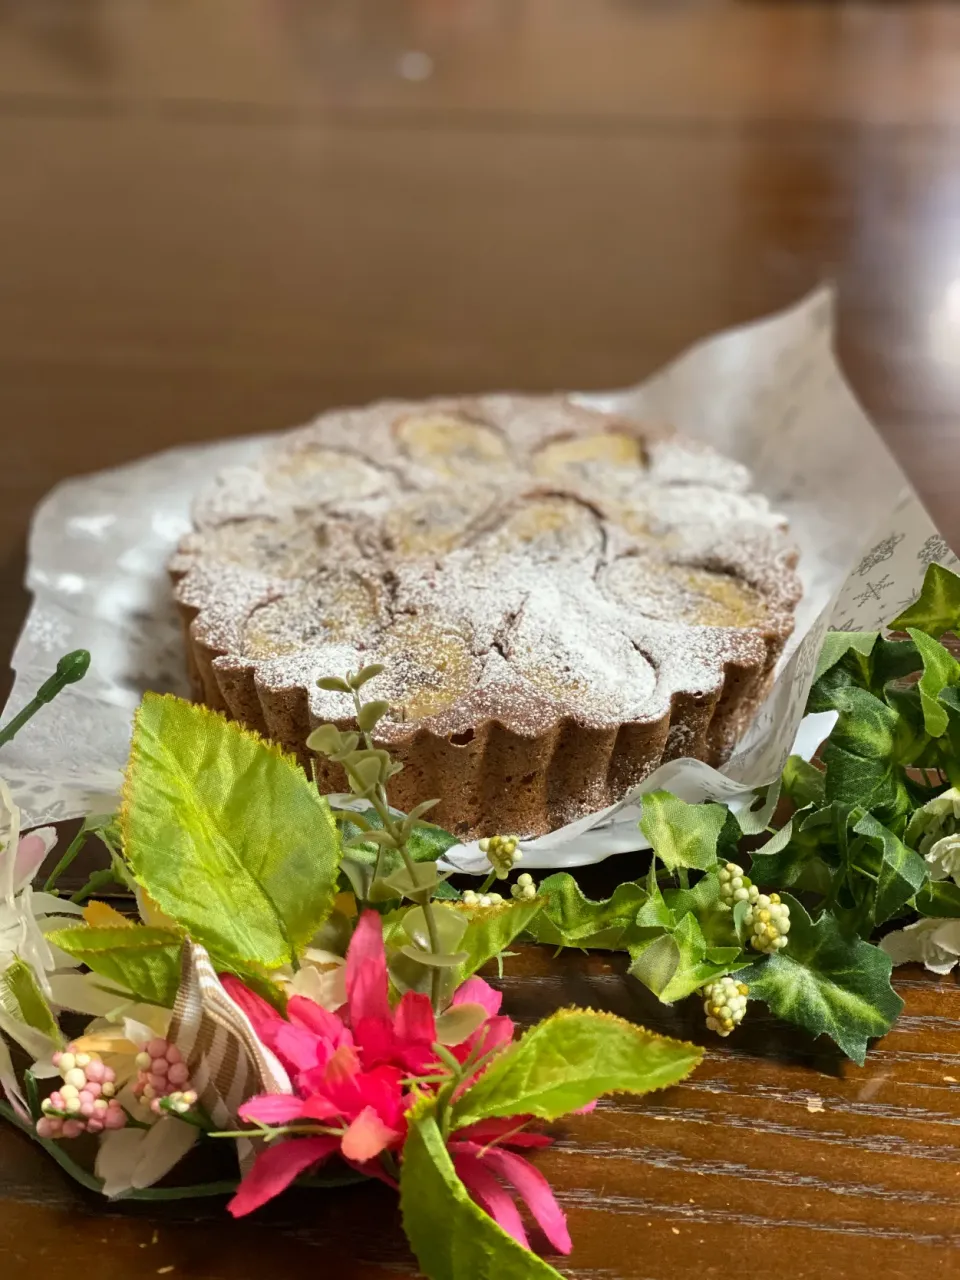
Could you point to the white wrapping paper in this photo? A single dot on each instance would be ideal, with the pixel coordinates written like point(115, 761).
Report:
point(769, 394)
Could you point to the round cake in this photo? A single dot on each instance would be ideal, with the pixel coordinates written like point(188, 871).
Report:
point(562, 599)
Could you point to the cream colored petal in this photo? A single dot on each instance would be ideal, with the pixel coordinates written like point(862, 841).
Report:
point(164, 1146)
point(117, 1157)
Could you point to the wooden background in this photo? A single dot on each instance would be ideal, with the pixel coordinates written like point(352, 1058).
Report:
point(220, 216)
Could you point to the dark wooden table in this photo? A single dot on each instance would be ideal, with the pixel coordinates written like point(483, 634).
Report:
point(221, 216)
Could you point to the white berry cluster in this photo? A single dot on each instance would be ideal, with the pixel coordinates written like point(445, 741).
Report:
point(724, 1003)
point(768, 921)
point(503, 852)
point(735, 886)
point(524, 889)
point(473, 899)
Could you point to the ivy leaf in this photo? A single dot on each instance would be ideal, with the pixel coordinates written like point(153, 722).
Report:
point(754, 819)
point(450, 1234)
point(828, 983)
point(862, 755)
point(491, 930)
point(901, 873)
point(803, 783)
point(836, 644)
point(870, 665)
point(673, 974)
point(655, 961)
point(568, 1060)
point(940, 898)
point(22, 999)
point(682, 835)
point(139, 959)
point(570, 919)
point(655, 914)
point(940, 669)
point(227, 834)
point(937, 608)
point(782, 858)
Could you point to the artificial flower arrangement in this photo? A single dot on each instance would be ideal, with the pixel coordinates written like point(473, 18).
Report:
point(300, 977)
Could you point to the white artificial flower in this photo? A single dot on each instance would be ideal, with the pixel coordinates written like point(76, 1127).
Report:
point(944, 858)
point(322, 978)
point(933, 943)
point(130, 1159)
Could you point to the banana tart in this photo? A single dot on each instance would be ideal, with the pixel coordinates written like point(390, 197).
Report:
point(562, 599)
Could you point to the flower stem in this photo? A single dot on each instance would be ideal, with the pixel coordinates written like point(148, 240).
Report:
point(488, 883)
point(74, 847)
point(70, 669)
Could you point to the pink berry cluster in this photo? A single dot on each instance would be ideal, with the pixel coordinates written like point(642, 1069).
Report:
point(163, 1077)
point(85, 1102)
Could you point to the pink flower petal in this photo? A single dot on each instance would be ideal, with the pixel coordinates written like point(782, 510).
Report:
point(255, 1007)
point(413, 1019)
point(272, 1108)
point(313, 1017)
point(367, 1136)
point(476, 991)
point(276, 1167)
point(507, 1130)
point(535, 1190)
point(344, 1064)
point(488, 1192)
point(31, 851)
point(317, 1107)
point(366, 976)
point(374, 1169)
point(296, 1047)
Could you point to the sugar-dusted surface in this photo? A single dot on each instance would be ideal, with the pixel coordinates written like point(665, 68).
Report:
point(515, 560)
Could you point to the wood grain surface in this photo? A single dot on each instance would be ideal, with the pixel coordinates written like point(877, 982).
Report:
point(221, 216)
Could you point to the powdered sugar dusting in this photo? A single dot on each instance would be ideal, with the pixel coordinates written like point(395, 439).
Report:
point(518, 557)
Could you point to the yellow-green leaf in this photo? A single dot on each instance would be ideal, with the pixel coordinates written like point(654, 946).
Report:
point(450, 1234)
point(570, 1059)
point(22, 999)
point(140, 959)
point(227, 834)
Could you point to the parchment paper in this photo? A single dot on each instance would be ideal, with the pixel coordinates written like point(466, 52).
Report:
point(769, 394)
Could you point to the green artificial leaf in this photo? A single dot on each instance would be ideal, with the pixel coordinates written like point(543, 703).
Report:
point(780, 860)
point(827, 983)
point(422, 877)
point(937, 608)
point(755, 817)
point(700, 898)
point(837, 644)
point(450, 1234)
point(862, 755)
point(425, 843)
point(803, 783)
point(490, 930)
point(655, 961)
point(570, 919)
point(569, 1059)
point(22, 999)
point(449, 924)
point(139, 959)
point(673, 973)
point(681, 834)
point(654, 913)
point(940, 669)
point(227, 834)
point(939, 898)
point(871, 666)
point(901, 872)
